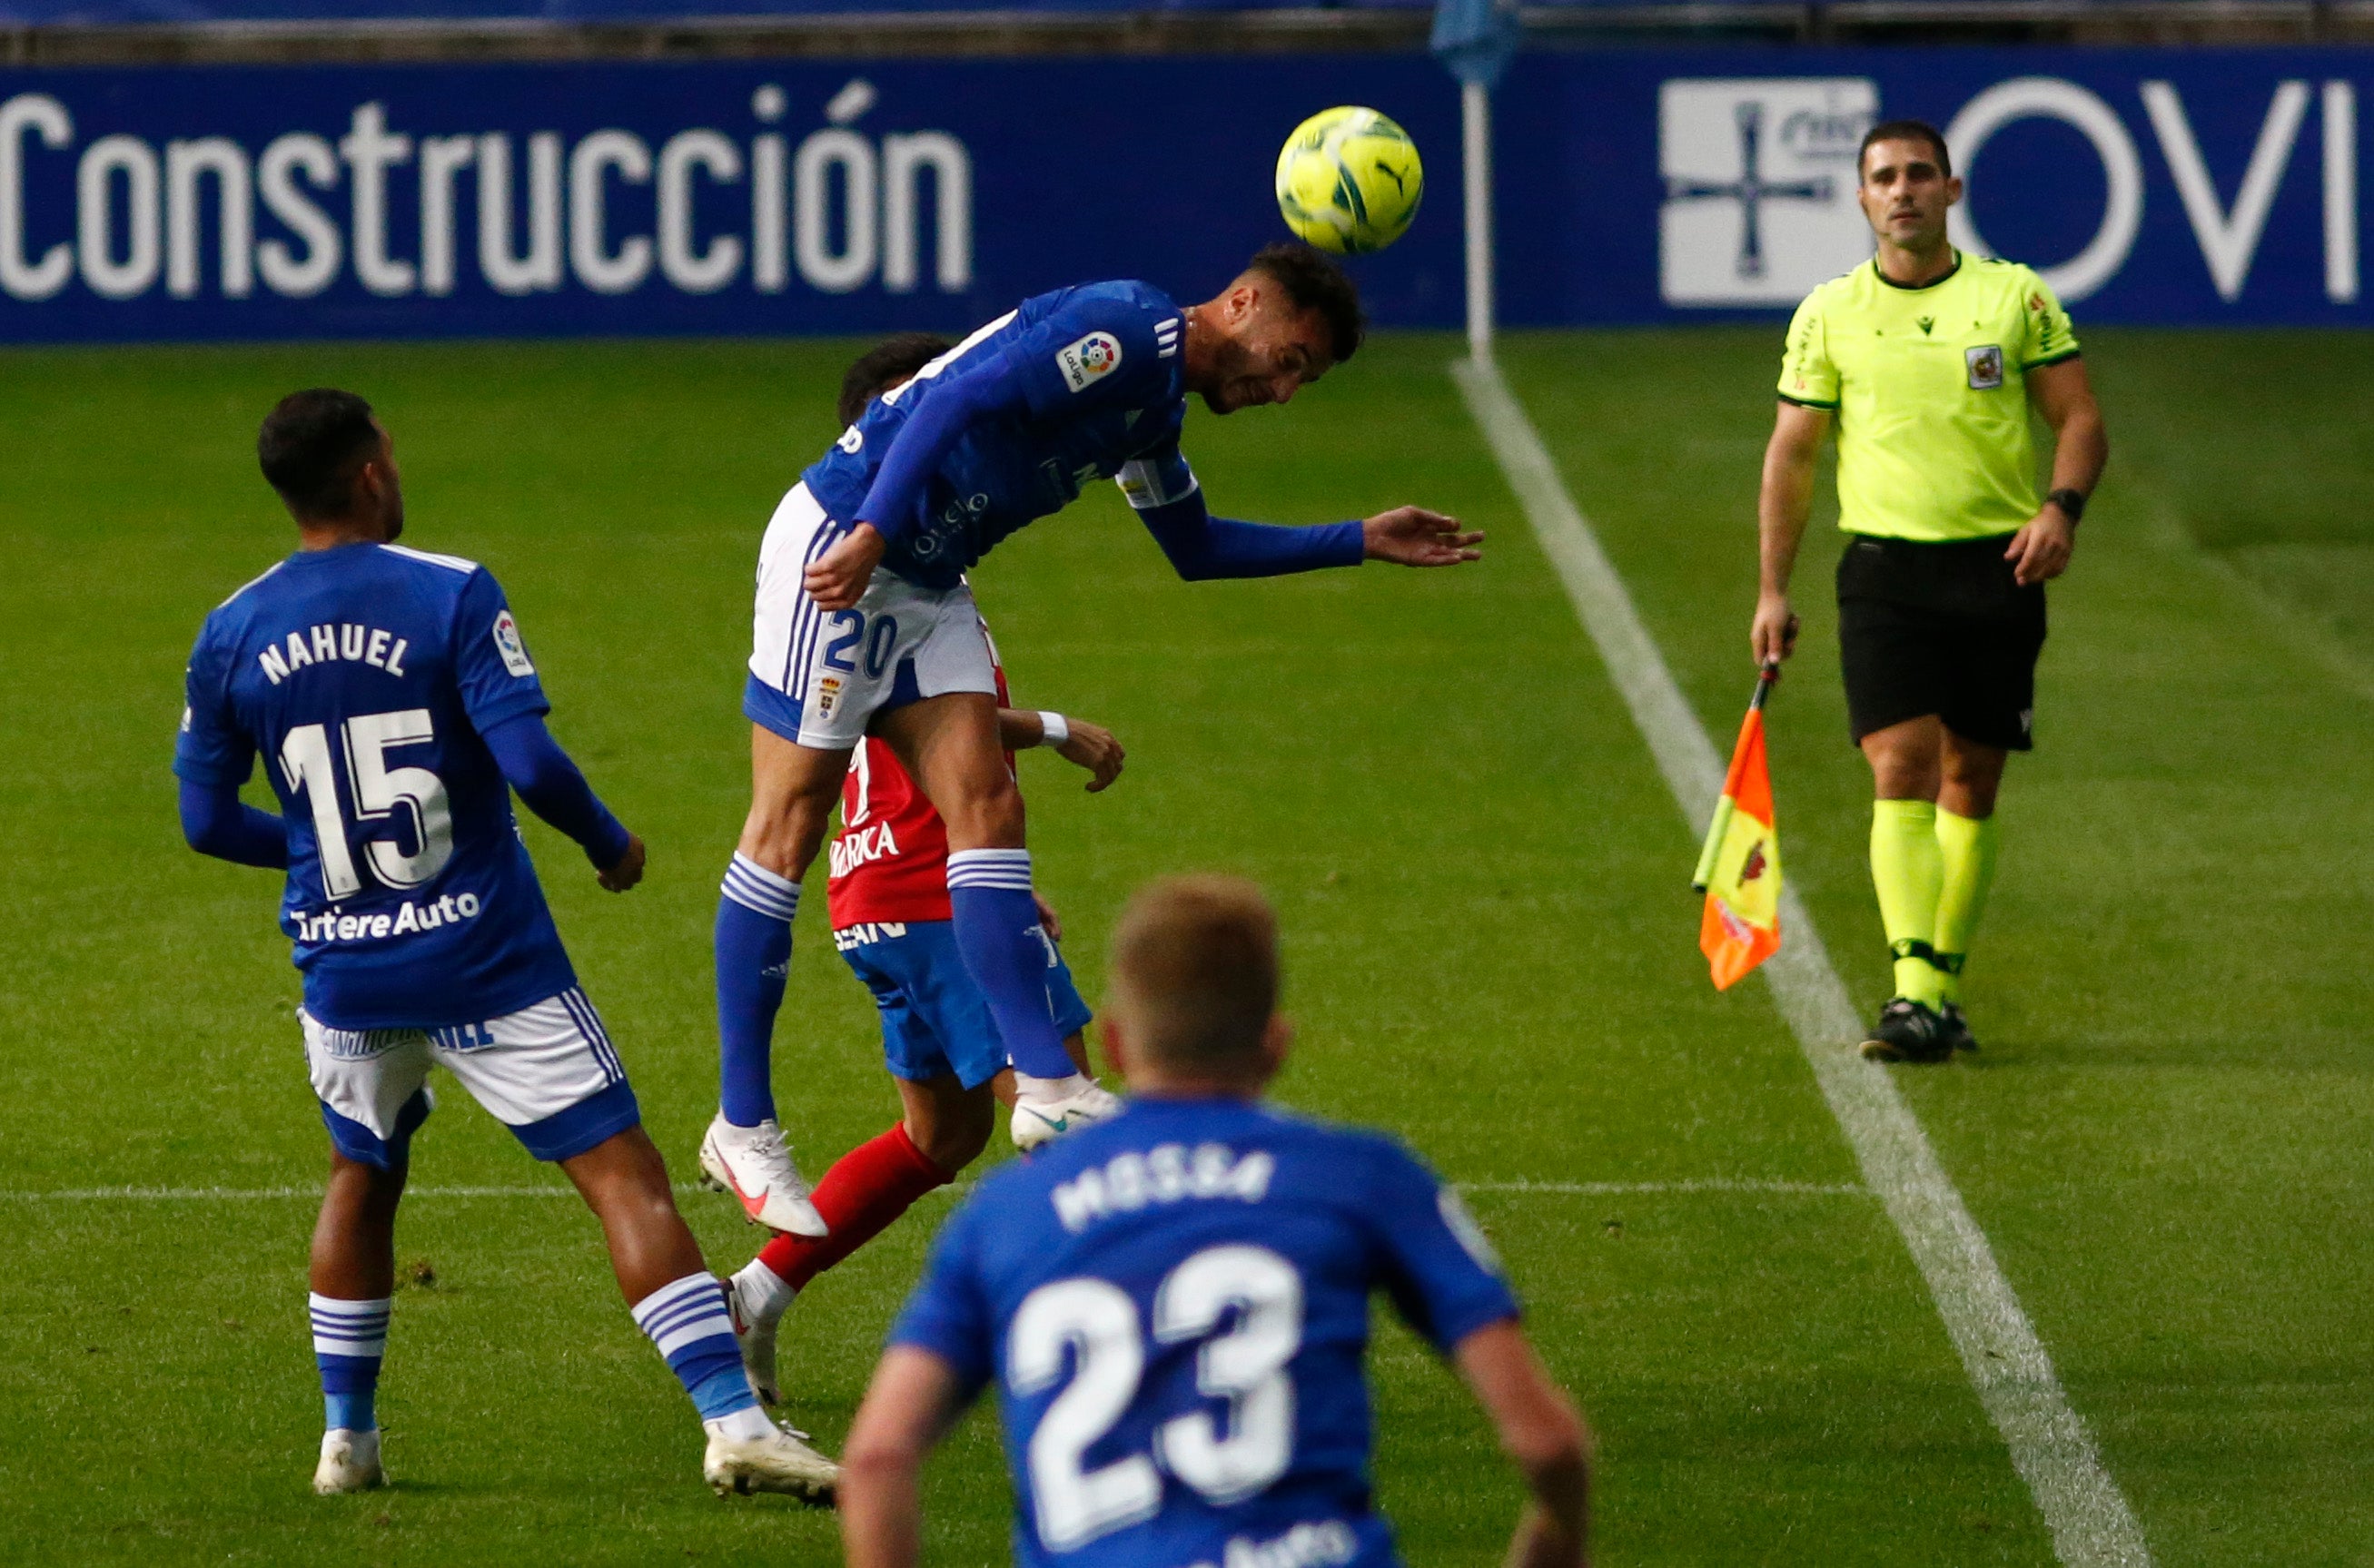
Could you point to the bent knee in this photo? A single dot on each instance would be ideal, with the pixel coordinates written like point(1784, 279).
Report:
point(952, 1139)
point(985, 814)
point(784, 829)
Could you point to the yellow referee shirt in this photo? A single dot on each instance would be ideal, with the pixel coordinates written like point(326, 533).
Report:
point(1930, 386)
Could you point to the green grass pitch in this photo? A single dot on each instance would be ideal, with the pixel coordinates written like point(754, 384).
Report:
point(2169, 1137)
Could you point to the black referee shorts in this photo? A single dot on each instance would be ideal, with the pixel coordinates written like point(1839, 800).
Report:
point(1943, 629)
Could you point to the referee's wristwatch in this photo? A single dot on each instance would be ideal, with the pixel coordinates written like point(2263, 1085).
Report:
point(2072, 504)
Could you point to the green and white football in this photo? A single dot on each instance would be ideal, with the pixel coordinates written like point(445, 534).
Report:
point(1349, 181)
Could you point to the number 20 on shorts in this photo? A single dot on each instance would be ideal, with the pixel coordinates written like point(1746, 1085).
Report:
point(850, 633)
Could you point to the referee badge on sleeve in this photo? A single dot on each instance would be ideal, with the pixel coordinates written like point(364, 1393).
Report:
point(1986, 366)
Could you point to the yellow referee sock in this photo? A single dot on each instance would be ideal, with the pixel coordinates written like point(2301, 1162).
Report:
point(1907, 872)
point(1966, 854)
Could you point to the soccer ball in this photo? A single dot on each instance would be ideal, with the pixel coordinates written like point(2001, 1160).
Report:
point(1349, 180)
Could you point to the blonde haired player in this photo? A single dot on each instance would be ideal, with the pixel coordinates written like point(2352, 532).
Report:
point(1173, 1307)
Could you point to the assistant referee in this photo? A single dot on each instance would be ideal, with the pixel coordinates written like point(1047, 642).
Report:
point(1930, 363)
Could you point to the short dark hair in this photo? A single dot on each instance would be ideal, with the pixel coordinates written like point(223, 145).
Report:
point(309, 447)
point(1315, 281)
point(894, 359)
point(1195, 964)
point(1906, 131)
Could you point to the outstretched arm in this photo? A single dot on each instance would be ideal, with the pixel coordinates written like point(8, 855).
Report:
point(1163, 490)
point(215, 822)
point(536, 766)
point(1540, 1430)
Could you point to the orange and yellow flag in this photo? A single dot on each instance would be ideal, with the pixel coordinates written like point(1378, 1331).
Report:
point(1739, 869)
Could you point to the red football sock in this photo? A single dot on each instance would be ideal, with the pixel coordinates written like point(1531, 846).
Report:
point(866, 1188)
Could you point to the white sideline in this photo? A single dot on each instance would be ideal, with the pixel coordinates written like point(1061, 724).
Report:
point(2090, 1521)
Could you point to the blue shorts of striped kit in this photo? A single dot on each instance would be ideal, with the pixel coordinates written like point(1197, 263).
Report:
point(817, 677)
point(548, 1072)
point(935, 1019)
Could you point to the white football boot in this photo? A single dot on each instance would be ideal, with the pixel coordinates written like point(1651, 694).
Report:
point(1036, 1124)
point(350, 1463)
point(755, 1166)
point(756, 1336)
point(778, 1462)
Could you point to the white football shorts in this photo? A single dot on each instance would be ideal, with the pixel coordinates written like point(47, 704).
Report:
point(819, 677)
point(548, 1072)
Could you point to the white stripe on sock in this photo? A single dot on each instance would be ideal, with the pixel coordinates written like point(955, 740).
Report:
point(760, 890)
point(990, 868)
point(349, 1327)
point(682, 1312)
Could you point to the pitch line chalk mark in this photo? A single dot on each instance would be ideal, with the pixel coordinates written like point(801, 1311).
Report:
point(2091, 1524)
point(1554, 1188)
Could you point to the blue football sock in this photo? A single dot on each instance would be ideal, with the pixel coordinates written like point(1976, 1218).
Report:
point(754, 959)
point(687, 1323)
point(349, 1341)
point(997, 931)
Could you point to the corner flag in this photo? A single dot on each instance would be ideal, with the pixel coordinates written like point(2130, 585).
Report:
point(1739, 869)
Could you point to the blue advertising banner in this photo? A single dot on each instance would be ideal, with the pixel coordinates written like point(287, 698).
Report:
point(800, 196)
point(767, 197)
point(2206, 185)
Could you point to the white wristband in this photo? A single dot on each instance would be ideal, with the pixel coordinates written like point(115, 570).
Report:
point(1053, 728)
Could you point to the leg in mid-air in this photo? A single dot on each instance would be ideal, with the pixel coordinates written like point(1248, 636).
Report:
point(943, 1051)
point(792, 791)
point(950, 744)
point(943, 1127)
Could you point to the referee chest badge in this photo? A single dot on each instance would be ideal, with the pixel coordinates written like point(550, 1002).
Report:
point(1986, 366)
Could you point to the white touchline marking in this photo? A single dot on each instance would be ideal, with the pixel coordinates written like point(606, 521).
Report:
point(2090, 1521)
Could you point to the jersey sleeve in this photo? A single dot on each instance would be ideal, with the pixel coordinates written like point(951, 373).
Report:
point(949, 1314)
point(2051, 337)
point(1094, 352)
point(1438, 1265)
point(1157, 479)
point(491, 662)
point(1808, 378)
point(212, 748)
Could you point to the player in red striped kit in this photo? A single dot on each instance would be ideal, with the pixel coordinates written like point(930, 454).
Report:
point(892, 923)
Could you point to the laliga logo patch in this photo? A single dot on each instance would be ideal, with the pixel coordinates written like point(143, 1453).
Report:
point(1986, 366)
point(508, 644)
point(1092, 358)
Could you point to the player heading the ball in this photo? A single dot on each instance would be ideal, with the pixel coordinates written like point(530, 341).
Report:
point(1173, 1307)
point(865, 624)
point(395, 699)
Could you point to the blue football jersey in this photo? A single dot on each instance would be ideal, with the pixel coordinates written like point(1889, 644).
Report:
point(1174, 1308)
point(1099, 369)
point(366, 675)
